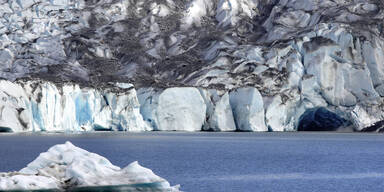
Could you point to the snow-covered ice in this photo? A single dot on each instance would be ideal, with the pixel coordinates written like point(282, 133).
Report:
point(65, 166)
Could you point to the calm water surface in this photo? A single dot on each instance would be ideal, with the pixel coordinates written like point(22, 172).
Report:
point(229, 161)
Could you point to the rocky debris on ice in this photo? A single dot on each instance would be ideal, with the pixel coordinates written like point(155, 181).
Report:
point(66, 167)
point(298, 54)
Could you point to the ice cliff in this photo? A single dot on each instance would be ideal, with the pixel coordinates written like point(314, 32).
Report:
point(221, 65)
point(42, 106)
point(66, 167)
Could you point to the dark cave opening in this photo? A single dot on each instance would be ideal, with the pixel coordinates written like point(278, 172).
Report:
point(320, 119)
point(5, 130)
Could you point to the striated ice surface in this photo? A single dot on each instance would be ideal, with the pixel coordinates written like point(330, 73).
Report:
point(174, 109)
point(66, 166)
point(248, 109)
point(43, 106)
point(37, 105)
point(219, 116)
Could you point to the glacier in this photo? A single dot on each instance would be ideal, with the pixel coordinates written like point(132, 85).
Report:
point(42, 106)
point(219, 65)
point(173, 109)
point(67, 167)
point(248, 109)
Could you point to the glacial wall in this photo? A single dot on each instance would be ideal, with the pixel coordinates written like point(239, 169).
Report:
point(221, 65)
point(43, 106)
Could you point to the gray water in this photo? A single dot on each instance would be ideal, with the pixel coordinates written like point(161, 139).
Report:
point(221, 162)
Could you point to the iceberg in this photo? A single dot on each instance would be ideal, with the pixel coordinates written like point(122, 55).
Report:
point(65, 167)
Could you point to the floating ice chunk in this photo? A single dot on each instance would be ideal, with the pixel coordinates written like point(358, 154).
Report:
point(16, 181)
point(66, 166)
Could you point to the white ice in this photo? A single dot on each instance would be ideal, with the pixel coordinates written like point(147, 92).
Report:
point(66, 166)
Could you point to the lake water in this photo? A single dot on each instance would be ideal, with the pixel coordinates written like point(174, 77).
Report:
point(221, 162)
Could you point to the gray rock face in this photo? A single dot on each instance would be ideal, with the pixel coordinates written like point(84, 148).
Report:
point(298, 54)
